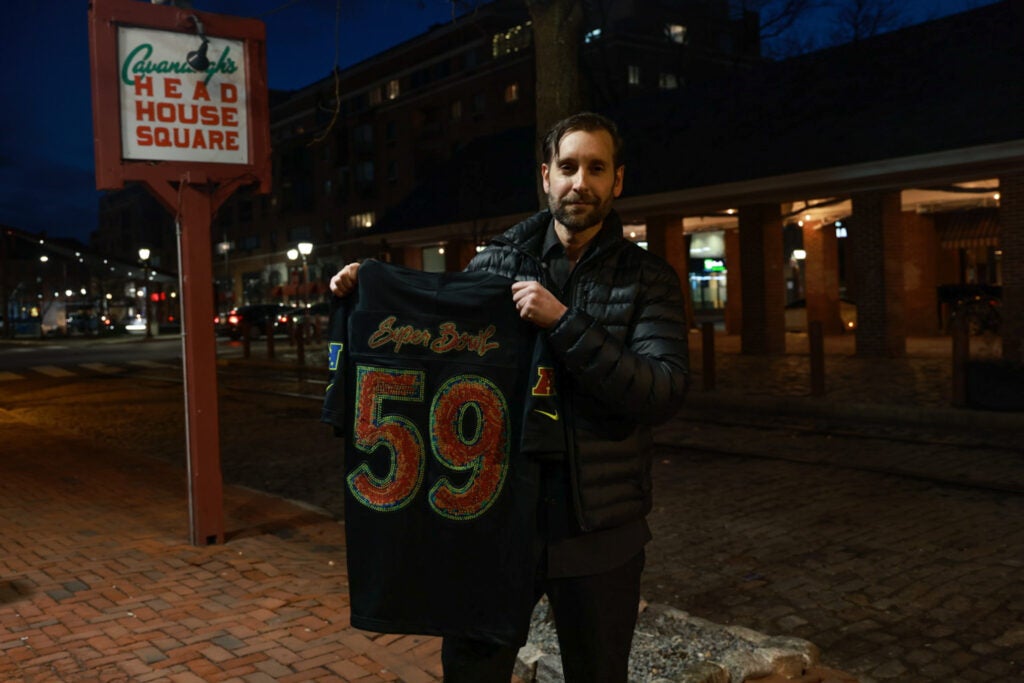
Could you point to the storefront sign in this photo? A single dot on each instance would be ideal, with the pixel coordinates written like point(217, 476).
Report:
point(170, 111)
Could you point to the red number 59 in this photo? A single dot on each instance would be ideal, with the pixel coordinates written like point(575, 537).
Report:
point(469, 432)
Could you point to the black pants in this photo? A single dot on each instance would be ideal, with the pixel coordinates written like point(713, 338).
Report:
point(594, 616)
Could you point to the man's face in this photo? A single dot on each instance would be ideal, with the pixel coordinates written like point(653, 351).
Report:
point(582, 180)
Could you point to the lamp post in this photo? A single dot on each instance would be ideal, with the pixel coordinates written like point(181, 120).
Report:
point(304, 249)
point(144, 258)
point(229, 295)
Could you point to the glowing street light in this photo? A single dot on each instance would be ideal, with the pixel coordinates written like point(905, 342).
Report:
point(144, 254)
point(304, 249)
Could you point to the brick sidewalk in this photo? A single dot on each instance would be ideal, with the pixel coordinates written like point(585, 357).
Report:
point(98, 583)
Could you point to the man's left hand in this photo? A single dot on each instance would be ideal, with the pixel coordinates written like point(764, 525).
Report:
point(536, 304)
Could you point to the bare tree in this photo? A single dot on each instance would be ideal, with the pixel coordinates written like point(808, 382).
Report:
point(859, 19)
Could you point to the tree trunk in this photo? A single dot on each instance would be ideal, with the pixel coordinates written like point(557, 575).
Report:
point(557, 34)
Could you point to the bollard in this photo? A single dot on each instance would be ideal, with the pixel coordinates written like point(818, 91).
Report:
point(708, 353)
point(816, 339)
point(961, 354)
point(246, 339)
point(270, 338)
point(300, 344)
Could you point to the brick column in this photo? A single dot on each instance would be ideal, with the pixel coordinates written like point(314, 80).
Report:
point(821, 276)
point(1011, 240)
point(665, 238)
point(733, 283)
point(458, 253)
point(410, 257)
point(920, 275)
point(763, 329)
point(879, 258)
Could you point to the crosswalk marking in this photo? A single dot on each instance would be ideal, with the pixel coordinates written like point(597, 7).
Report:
point(150, 364)
point(74, 371)
point(52, 371)
point(103, 367)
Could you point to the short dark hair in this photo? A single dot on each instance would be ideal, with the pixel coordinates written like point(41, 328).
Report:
point(585, 121)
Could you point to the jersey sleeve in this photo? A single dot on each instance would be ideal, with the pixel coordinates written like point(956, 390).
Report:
point(333, 410)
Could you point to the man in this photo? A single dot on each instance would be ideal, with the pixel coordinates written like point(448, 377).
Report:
point(614, 323)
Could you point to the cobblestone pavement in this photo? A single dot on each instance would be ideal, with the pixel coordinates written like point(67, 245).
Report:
point(875, 522)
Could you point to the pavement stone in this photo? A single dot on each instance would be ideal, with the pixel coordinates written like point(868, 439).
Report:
point(876, 522)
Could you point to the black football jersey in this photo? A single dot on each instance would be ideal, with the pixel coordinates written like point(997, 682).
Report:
point(432, 377)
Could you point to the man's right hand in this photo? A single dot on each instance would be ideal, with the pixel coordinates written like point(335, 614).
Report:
point(345, 280)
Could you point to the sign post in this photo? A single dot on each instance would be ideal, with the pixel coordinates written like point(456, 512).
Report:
point(180, 105)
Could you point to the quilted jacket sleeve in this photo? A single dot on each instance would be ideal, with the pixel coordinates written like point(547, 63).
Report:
point(626, 346)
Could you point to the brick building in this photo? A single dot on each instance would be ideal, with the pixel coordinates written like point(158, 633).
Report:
point(874, 171)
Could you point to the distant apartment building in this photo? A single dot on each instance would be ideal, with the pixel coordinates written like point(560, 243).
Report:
point(357, 151)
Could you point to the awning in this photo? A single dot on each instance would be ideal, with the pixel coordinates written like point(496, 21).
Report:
point(966, 229)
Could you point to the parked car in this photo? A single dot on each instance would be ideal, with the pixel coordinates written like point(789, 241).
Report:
point(255, 317)
point(316, 314)
point(796, 315)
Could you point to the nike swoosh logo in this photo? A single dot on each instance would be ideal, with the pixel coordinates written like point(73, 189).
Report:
point(553, 416)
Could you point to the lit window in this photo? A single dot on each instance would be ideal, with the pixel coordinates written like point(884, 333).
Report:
point(676, 33)
point(511, 93)
point(375, 96)
point(361, 221)
point(591, 36)
point(393, 89)
point(668, 81)
point(633, 74)
point(511, 41)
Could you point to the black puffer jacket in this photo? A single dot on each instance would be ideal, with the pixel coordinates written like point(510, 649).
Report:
point(625, 361)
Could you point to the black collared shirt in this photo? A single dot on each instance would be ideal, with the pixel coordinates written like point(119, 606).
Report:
point(568, 550)
point(556, 261)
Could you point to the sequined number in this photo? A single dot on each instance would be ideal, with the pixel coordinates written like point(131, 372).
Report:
point(468, 433)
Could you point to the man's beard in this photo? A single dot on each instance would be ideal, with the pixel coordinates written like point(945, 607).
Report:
point(578, 222)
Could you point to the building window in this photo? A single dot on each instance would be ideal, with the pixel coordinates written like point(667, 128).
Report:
point(393, 171)
point(391, 131)
point(668, 81)
point(361, 221)
point(364, 172)
point(676, 33)
point(511, 93)
point(511, 41)
point(393, 89)
point(633, 74)
point(456, 110)
point(328, 186)
point(362, 137)
point(479, 104)
point(375, 97)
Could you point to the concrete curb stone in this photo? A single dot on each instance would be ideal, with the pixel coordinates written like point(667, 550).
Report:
point(672, 646)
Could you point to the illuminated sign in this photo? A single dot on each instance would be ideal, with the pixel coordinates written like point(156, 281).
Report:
point(714, 265)
point(170, 111)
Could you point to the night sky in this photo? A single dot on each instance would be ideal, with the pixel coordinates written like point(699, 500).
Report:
point(46, 157)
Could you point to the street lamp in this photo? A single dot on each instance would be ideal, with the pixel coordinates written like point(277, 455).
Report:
point(304, 250)
point(225, 249)
point(144, 258)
